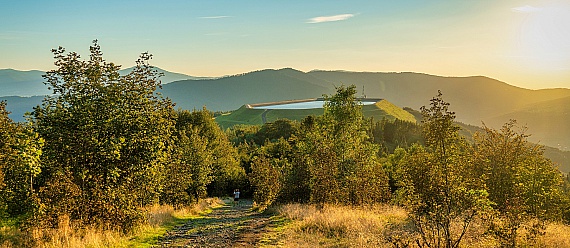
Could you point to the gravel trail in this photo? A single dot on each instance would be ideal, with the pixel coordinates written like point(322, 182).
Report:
point(225, 226)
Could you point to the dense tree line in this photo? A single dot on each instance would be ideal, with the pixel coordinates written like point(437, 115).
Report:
point(105, 146)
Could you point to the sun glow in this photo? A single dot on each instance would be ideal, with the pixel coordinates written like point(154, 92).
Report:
point(544, 36)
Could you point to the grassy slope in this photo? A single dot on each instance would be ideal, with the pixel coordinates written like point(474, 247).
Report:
point(382, 109)
point(242, 116)
point(385, 109)
point(160, 220)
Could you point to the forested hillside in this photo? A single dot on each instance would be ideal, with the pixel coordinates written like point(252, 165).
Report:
point(476, 99)
point(230, 93)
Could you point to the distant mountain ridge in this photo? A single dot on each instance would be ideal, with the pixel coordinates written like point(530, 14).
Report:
point(22, 83)
point(31, 83)
point(475, 99)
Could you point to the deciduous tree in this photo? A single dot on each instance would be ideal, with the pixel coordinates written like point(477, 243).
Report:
point(522, 183)
point(106, 140)
point(437, 184)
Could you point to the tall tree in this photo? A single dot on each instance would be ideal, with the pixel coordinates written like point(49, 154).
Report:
point(225, 170)
point(522, 183)
point(342, 162)
point(437, 183)
point(6, 133)
point(20, 151)
point(106, 139)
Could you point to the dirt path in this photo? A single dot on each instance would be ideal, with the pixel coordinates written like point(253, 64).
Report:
point(225, 226)
point(263, 116)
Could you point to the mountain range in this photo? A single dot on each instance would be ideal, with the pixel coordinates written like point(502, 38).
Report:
point(475, 100)
point(30, 83)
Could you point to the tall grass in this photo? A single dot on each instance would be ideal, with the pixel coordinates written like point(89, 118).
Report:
point(340, 226)
point(382, 226)
point(160, 218)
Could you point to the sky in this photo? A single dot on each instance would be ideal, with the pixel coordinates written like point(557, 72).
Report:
point(521, 42)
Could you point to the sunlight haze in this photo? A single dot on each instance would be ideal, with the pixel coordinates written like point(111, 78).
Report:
point(523, 43)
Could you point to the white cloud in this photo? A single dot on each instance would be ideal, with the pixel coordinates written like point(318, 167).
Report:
point(213, 17)
point(334, 18)
point(525, 9)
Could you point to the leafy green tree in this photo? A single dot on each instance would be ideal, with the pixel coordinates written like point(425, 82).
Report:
point(437, 182)
point(106, 138)
point(243, 134)
point(522, 183)
point(225, 170)
point(204, 160)
point(6, 133)
point(20, 151)
point(343, 164)
point(24, 167)
point(267, 179)
point(190, 170)
point(7, 130)
point(395, 133)
point(272, 131)
point(276, 174)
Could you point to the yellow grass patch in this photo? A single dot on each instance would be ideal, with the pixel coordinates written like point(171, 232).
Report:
point(340, 226)
point(159, 220)
point(382, 226)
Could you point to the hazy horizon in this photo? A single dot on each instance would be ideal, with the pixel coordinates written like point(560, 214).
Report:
point(522, 43)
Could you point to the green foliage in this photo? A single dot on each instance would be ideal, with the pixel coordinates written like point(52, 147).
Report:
point(106, 140)
point(22, 170)
point(343, 164)
point(190, 169)
point(521, 182)
point(272, 131)
point(397, 133)
point(267, 179)
point(242, 134)
point(204, 161)
point(436, 181)
point(20, 151)
point(6, 133)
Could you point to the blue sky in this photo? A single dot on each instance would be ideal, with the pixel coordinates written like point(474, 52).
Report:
point(521, 42)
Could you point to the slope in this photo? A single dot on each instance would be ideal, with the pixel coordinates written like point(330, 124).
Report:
point(548, 122)
point(30, 83)
point(22, 83)
point(472, 98)
point(248, 116)
point(18, 105)
point(168, 76)
point(231, 92)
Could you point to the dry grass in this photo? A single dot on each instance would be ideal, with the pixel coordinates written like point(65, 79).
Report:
point(160, 218)
point(341, 226)
point(381, 226)
point(557, 235)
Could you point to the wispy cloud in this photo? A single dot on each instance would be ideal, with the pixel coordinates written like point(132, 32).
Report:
point(213, 17)
point(333, 18)
point(525, 9)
